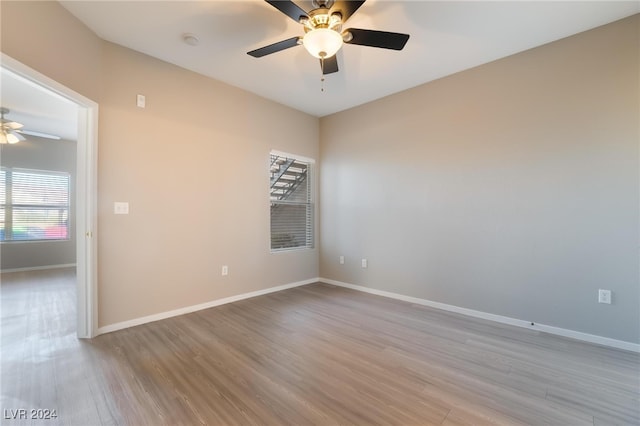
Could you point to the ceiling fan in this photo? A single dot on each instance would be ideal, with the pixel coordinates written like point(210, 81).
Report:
point(11, 132)
point(324, 36)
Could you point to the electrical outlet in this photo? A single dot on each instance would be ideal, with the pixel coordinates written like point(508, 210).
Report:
point(225, 270)
point(141, 101)
point(604, 296)
point(342, 260)
point(365, 263)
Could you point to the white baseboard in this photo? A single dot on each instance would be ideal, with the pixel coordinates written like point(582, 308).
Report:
point(188, 309)
point(39, 268)
point(591, 338)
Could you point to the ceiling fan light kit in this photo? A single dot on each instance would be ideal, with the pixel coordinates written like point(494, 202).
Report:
point(322, 42)
point(323, 36)
point(8, 134)
point(9, 138)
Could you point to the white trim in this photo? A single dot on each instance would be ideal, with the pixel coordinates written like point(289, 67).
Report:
point(86, 191)
point(313, 188)
point(39, 268)
point(188, 309)
point(591, 338)
point(290, 155)
point(87, 221)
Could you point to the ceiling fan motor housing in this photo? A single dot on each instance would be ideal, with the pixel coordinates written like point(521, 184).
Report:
point(320, 18)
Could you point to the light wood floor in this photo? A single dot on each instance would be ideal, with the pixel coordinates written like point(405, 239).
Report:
point(316, 354)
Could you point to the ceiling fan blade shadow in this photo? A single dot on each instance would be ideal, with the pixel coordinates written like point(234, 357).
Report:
point(382, 39)
point(346, 8)
point(329, 65)
point(275, 47)
point(289, 8)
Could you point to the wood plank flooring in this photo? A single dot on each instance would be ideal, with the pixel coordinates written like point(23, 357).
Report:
point(316, 354)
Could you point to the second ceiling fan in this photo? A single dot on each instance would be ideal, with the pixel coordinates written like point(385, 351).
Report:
point(324, 35)
point(11, 131)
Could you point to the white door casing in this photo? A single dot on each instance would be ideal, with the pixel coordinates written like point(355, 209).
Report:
point(86, 193)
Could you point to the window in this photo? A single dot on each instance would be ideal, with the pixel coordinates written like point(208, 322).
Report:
point(291, 202)
point(35, 205)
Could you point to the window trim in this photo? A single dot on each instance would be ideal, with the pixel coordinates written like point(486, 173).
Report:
point(312, 191)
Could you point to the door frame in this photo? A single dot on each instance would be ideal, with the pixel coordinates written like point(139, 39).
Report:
point(86, 193)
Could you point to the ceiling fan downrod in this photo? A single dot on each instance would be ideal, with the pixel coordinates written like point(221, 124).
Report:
point(327, 4)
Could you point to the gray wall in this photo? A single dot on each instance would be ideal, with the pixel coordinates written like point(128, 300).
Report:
point(41, 154)
point(511, 188)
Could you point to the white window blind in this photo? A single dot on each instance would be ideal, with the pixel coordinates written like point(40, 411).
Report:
point(35, 205)
point(291, 203)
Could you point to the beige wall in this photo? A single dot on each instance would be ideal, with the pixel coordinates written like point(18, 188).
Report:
point(193, 165)
point(44, 36)
point(511, 188)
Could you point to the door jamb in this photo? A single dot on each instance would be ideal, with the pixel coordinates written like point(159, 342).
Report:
point(86, 193)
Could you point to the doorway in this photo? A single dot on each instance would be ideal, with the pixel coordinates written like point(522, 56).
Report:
point(85, 190)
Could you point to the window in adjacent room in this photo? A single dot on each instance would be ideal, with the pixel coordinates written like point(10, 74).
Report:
point(35, 205)
point(291, 192)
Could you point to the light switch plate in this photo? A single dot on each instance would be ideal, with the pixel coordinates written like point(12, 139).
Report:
point(121, 207)
point(604, 296)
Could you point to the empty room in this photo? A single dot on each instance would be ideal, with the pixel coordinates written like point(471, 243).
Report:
point(320, 212)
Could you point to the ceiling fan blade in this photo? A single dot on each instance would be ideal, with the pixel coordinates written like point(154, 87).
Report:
point(38, 134)
point(329, 65)
point(275, 47)
point(8, 124)
point(346, 8)
point(383, 39)
point(289, 8)
point(10, 136)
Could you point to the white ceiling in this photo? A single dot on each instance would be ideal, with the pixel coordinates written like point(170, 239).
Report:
point(446, 37)
point(37, 108)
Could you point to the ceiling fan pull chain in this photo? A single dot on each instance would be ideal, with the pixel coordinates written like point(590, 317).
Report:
point(322, 73)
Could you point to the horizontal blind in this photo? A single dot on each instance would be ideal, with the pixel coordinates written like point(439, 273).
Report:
point(36, 205)
point(290, 226)
point(291, 204)
point(40, 189)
